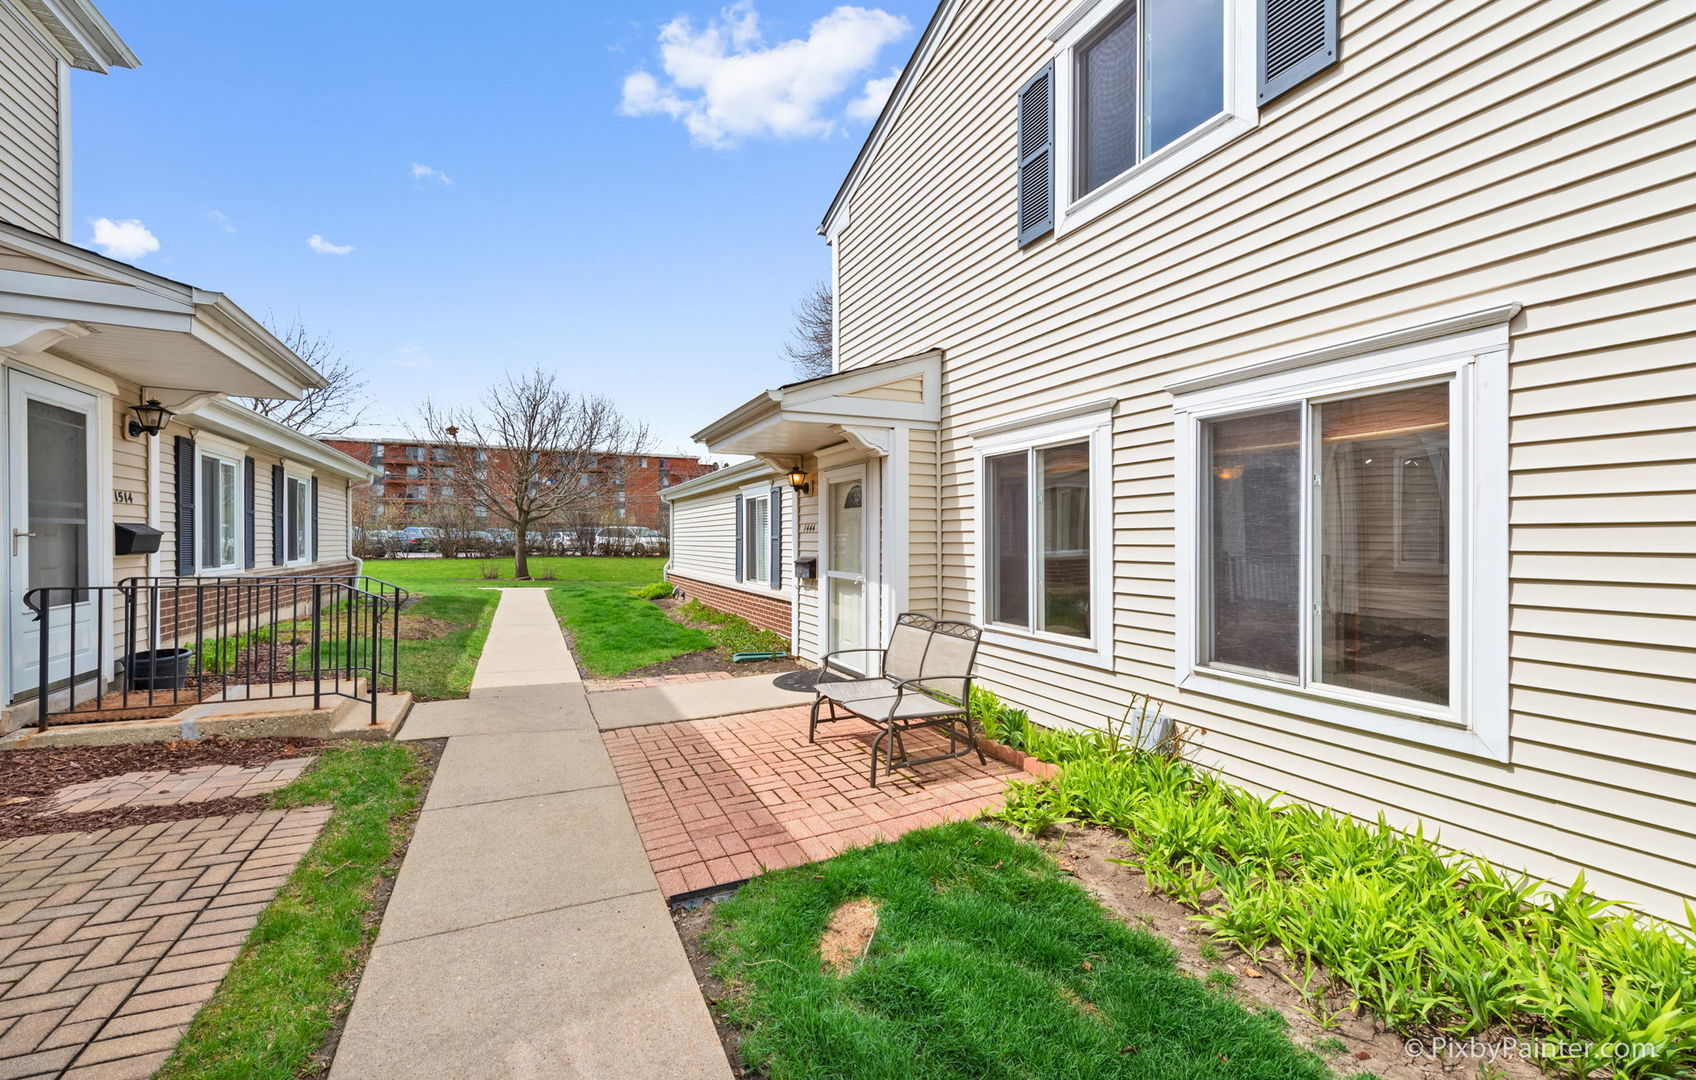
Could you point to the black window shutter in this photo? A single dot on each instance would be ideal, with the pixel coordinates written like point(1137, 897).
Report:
point(739, 538)
point(314, 519)
point(777, 538)
point(1298, 39)
point(1036, 156)
point(185, 505)
point(279, 516)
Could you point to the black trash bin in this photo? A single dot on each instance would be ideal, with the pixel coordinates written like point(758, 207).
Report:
point(159, 669)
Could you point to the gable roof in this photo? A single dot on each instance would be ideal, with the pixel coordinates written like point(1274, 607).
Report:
point(939, 20)
point(82, 34)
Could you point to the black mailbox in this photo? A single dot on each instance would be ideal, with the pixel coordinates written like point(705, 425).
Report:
point(806, 569)
point(136, 539)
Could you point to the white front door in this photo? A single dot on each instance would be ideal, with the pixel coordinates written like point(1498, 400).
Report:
point(50, 463)
point(850, 573)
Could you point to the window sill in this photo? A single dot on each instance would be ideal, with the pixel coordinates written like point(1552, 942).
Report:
point(1408, 725)
point(1202, 142)
point(1050, 645)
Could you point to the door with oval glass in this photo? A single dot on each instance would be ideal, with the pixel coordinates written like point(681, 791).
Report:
point(51, 454)
point(850, 574)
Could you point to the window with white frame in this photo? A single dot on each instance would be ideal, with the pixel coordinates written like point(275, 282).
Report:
point(1044, 514)
point(1141, 89)
point(220, 504)
point(297, 518)
point(756, 533)
point(1319, 509)
point(1152, 71)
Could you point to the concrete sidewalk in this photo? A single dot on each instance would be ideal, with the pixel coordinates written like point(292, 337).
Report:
point(692, 701)
point(526, 937)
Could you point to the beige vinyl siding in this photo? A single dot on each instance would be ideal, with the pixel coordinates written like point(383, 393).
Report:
point(703, 536)
point(1462, 157)
point(911, 390)
point(29, 127)
point(923, 543)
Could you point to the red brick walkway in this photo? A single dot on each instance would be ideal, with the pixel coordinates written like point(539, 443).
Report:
point(194, 785)
point(111, 941)
point(719, 801)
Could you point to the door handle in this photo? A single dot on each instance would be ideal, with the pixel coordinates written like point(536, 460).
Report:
point(18, 534)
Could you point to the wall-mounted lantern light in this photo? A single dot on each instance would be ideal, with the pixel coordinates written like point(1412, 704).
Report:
point(150, 418)
point(798, 480)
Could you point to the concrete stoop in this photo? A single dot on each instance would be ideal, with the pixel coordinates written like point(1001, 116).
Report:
point(284, 718)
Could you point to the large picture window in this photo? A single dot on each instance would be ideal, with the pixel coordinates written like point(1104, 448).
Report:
point(1382, 621)
point(1342, 535)
point(220, 501)
point(1044, 501)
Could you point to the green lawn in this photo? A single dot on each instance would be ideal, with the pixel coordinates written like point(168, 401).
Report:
point(614, 632)
point(294, 975)
point(987, 964)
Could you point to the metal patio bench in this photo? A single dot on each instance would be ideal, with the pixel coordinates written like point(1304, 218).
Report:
point(923, 679)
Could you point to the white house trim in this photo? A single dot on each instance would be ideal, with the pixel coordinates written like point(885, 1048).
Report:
point(1474, 361)
point(1093, 425)
point(1241, 115)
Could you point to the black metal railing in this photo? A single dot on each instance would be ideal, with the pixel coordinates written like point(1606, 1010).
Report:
point(149, 646)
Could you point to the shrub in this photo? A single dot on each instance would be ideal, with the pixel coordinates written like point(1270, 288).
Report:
point(733, 632)
point(655, 590)
point(1427, 940)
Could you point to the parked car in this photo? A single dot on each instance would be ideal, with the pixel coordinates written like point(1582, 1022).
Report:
point(629, 540)
point(419, 538)
point(377, 543)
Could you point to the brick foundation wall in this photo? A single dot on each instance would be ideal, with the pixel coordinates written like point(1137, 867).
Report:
point(766, 612)
point(230, 611)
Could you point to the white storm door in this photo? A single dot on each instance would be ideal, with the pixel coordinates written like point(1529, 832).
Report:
point(50, 542)
point(850, 568)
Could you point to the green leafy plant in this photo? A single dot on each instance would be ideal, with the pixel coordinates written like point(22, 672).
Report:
point(1427, 940)
point(655, 590)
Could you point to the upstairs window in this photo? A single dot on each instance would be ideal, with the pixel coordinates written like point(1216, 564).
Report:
point(1153, 72)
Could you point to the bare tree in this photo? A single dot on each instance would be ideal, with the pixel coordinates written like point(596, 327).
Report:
point(533, 452)
point(810, 349)
point(329, 410)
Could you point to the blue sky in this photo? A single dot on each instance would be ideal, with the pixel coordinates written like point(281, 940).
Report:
point(647, 236)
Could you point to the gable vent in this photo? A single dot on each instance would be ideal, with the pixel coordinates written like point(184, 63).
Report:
point(1298, 39)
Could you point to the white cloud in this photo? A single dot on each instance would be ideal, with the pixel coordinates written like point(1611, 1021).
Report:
point(221, 219)
point(128, 240)
point(324, 247)
point(870, 102)
point(424, 172)
point(724, 83)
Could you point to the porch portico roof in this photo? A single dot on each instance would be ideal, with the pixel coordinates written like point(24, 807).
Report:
point(802, 417)
point(135, 326)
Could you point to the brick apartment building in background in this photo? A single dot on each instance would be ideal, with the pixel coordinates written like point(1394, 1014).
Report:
point(418, 476)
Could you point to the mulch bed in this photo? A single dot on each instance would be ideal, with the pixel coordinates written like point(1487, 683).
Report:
point(30, 778)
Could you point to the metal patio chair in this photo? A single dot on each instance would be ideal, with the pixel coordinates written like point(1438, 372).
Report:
point(923, 679)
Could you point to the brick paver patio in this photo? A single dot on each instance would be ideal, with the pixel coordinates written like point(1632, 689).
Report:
point(110, 941)
point(194, 785)
point(719, 801)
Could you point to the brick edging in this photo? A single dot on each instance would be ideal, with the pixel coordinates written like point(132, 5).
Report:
point(766, 612)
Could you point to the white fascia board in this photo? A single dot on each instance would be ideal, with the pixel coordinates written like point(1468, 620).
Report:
point(254, 431)
point(246, 340)
point(934, 30)
point(737, 418)
point(743, 472)
point(81, 33)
